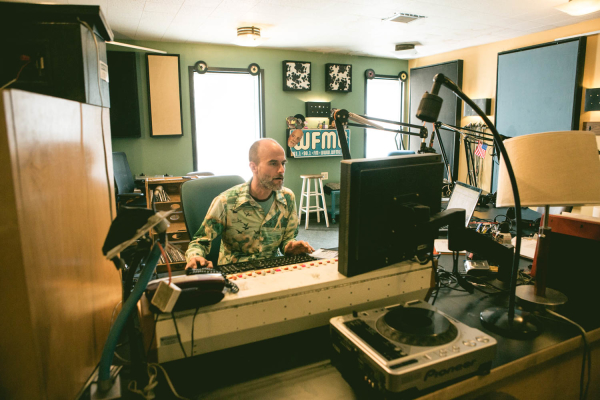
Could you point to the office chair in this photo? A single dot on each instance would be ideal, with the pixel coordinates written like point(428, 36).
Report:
point(124, 183)
point(196, 196)
point(400, 153)
point(199, 173)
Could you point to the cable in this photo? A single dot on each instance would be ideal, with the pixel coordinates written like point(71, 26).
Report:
point(23, 58)
point(89, 28)
point(112, 317)
point(122, 359)
point(178, 335)
point(152, 337)
point(193, 320)
point(586, 354)
point(169, 381)
point(148, 391)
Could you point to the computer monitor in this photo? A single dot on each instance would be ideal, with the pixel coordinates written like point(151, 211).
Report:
point(376, 227)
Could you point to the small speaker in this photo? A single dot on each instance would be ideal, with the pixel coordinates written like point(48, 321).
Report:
point(484, 104)
point(254, 69)
point(592, 99)
point(200, 67)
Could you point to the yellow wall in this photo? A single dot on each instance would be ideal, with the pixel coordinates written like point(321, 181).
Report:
point(480, 65)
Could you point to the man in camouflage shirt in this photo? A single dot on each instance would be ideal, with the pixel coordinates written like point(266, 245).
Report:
point(255, 219)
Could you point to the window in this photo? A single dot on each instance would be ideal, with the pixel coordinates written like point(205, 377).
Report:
point(384, 100)
point(227, 109)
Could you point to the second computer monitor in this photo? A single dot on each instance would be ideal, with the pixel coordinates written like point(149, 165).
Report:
point(466, 197)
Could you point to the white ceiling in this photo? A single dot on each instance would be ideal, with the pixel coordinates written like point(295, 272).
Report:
point(340, 26)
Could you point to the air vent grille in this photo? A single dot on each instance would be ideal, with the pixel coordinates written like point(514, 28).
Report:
point(404, 18)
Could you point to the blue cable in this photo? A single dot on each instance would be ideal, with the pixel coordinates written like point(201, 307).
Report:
point(104, 379)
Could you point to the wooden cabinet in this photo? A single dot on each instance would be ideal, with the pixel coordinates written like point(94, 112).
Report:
point(57, 289)
point(177, 232)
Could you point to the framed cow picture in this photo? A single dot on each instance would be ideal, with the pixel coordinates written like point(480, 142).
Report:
point(338, 77)
point(296, 75)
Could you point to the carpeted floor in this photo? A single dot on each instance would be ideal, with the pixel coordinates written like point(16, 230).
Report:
point(318, 234)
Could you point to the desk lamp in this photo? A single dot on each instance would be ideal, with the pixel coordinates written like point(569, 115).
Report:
point(552, 169)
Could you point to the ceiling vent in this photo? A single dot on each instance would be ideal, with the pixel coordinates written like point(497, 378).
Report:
point(404, 18)
point(404, 46)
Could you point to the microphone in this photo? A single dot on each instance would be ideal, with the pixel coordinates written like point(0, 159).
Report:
point(431, 103)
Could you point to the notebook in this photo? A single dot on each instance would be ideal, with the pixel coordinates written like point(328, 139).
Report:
point(464, 196)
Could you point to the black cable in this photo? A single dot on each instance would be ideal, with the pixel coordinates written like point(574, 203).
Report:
point(178, 335)
point(152, 338)
point(587, 356)
point(486, 283)
point(194, 319)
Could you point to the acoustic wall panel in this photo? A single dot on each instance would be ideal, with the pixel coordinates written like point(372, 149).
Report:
point(539, 89)
point(421, 80)
point(125, 106)
point(164, 93)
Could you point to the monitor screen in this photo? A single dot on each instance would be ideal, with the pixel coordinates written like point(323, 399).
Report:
point(464, 196)
point(377, 228)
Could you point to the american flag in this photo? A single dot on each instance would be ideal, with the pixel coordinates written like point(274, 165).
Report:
point(481, 149)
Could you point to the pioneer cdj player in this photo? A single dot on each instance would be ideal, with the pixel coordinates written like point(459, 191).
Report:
point(408, 348)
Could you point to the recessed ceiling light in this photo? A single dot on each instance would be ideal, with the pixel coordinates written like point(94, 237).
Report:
point(248, 36)
point(403, 18)
point(580, 7)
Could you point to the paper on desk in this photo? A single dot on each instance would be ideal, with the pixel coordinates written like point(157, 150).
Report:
point(324, 253)
point(528, 245)
point(441, 247)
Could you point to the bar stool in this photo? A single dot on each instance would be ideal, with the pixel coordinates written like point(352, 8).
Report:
point(318, 183)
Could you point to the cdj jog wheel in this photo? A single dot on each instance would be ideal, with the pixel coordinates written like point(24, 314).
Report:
point(416, 327)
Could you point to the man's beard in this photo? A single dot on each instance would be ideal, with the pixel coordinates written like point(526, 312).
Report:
point(269, 183)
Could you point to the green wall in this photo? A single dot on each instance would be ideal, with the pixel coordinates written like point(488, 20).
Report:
point(173, 155)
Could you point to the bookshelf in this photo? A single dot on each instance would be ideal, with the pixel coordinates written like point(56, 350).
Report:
point(165, 194)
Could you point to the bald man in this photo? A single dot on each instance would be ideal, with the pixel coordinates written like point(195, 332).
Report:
point(256, 219)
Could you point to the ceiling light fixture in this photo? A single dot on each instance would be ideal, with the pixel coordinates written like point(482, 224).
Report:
point(580, 7)
point(248, 36)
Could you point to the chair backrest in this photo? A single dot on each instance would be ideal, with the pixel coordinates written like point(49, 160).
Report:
point(400, 153)
point(124, 182)
point(199, 173)
point(197, 196)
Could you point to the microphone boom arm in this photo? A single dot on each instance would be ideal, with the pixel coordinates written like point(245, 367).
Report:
point(342, 117)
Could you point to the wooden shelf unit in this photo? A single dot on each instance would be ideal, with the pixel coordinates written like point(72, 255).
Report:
point(177, 231)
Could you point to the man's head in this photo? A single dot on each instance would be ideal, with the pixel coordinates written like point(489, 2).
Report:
point(267, 162)
point(295, 137)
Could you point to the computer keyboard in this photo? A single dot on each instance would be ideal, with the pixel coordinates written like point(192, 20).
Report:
point(264, 263)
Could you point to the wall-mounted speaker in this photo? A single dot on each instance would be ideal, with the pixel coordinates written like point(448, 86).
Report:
point(484, 104)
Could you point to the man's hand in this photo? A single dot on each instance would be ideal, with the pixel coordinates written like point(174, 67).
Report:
point(196, 262)
point(298, 247)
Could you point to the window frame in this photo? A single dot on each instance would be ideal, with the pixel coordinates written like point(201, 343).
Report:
point(402, 105)
point(261, 102)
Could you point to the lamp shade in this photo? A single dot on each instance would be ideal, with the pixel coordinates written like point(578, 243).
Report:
point(552, 169)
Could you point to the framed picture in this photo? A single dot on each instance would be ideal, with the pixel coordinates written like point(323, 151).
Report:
point(164, 95)
point(296, 75)
point(338, 77)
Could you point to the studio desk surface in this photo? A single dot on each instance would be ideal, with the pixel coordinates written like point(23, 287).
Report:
point(297, 365)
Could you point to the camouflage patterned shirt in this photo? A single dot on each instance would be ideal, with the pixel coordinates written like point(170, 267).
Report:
point(246, 232)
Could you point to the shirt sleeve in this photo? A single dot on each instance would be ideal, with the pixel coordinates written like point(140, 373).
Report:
point(211, 227)
point(290, 231)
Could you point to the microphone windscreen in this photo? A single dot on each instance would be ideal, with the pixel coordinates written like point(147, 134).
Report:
point(429, 108)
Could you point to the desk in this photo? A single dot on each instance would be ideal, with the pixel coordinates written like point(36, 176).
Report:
point(297, 366)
